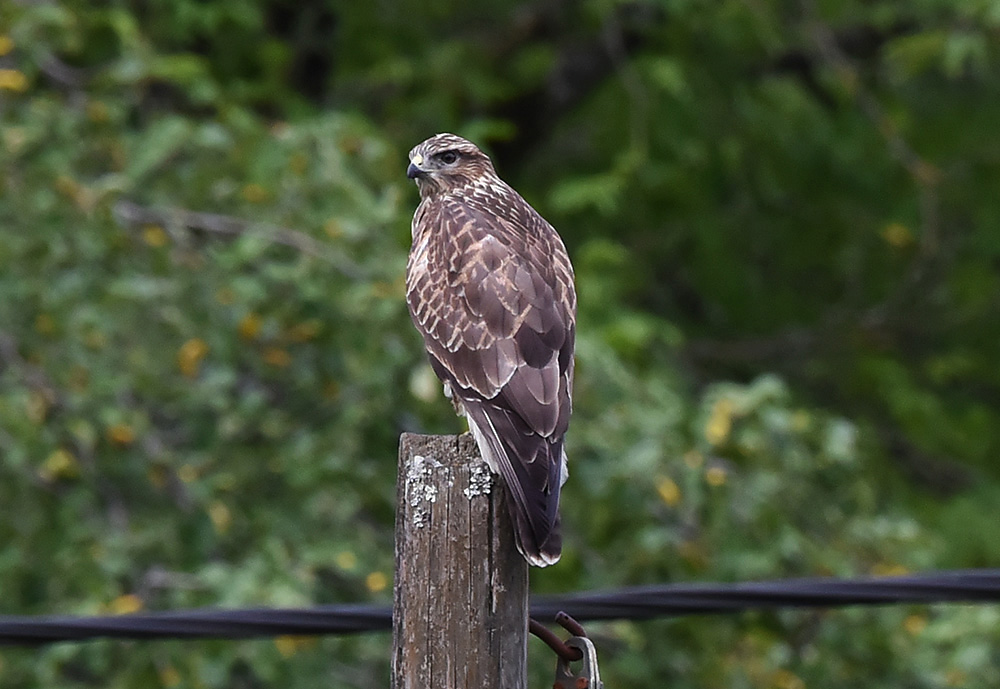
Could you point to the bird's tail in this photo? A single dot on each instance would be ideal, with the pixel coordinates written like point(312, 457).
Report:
point(538, 554)
point(533, 473)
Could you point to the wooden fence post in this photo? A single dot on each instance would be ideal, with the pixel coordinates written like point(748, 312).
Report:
point(460, 609)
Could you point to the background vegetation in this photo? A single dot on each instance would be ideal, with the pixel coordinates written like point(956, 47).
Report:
point(786, 227)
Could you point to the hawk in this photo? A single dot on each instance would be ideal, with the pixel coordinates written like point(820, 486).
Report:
point(489, 285)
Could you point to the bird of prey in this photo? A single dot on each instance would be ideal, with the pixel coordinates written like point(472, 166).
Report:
point(489, 285)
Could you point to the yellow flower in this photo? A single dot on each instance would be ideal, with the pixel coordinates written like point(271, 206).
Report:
point(715, 476)
point(276, 356)
point(668, 490)
point(897, 235)
point(346, 560)
point(190, 355)
point(45, 324)
point(914, 624)
point(304, 331)
point(886, 569)
point(783, 679)
point(120, 434)
point(155, 236)
point(801, 421)
point(720, 422)
point(97, 111)
point(60, 464)
point(285, 645)
point(249, 326)
point(6, 44)
point(221, 517)
point(376, 581)
point(255, 193)
point(290, 645)
point(169, 676)
point(67, 186)
point(124, 605)
point(12, 80)
point(187, 474)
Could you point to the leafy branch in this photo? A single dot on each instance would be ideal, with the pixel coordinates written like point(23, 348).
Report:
point(132, 215)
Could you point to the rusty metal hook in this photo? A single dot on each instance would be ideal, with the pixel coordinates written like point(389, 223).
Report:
point(554, 642)
point(570, 625)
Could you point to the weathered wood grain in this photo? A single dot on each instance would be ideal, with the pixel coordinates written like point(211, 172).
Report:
point(460, 612)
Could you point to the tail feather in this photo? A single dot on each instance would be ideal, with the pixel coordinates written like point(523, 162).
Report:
point(533, 473)
point(538, 554)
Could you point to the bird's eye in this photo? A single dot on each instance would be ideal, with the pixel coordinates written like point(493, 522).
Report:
point(448, 157)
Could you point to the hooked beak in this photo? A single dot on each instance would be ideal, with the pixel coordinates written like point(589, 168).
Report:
point(413, 171)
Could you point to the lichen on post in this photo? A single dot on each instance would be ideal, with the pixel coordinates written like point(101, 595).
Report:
point(460, 610)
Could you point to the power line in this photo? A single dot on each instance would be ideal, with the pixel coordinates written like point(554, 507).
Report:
point(642, 603)
point(204, 623)
point(636, 603)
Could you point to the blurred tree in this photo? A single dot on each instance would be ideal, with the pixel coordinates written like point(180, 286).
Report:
point(784, 222)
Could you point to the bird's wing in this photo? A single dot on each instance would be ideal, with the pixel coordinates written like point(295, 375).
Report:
point(493, 297)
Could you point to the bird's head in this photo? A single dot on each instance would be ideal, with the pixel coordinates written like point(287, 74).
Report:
point(444, 162)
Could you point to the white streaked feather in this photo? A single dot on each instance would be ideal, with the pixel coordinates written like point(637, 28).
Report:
point(484, 445)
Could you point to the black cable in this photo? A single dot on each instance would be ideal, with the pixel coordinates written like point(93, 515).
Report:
point(638, 603)
point(204, 623)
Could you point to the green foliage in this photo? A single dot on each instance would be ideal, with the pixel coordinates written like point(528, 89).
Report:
point(205, 359)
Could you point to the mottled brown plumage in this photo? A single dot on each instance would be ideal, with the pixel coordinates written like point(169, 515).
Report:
point(490, 287)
